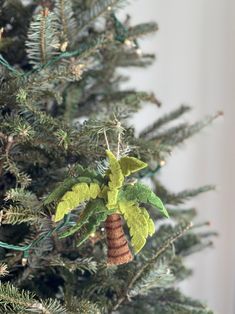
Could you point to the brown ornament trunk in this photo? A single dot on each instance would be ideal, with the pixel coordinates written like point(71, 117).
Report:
point(118, 249)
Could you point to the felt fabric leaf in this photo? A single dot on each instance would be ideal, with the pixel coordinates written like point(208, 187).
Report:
point(65, 186)
point(87, 173)
point(91, 227)
point(92, 208)
point(116, 177)
point(138, 222)
point(94, 190)
point(80, 193)
point(142, 194)
point(112, 198)
point(116, 180)
point(104, 192)
point(59, 191)
point(151, 225)
point(82, 175)
point(84, 180)
point(130, 165)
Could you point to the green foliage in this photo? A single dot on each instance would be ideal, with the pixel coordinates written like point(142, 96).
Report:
point(130, 100)
point(158, 276)
point(99, 8)
point(83, 307)
point(116, 179)
point(85, 176)
point(91, 226)
point(18, 214)
point(142, 29)
point(142, 194)
point(120, 169)
point(147, 132)
point(66, 23)
point(20, 206)
point(79, 264)
point(138, 220)
point(180, 198)
point(80, 193)
point(60, 190)
point(58, 66)
point(95, 209)
point(140, 281)
point(170, 301)
point(42, 38)
point(131, 165)
point(140, 224)
point(13, 300)
point(177, 135)
point(182, 304)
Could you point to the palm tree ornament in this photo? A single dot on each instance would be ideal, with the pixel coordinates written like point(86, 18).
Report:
point(110, 199)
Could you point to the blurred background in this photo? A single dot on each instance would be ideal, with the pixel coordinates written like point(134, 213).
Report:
point(195, 65)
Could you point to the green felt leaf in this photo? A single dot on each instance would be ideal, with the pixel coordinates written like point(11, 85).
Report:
point(104, 192)
point(60, 190)
point(139, 223)
point(115, 176)
point(112, 198)
point(130, 165)
point(82, 175)
point(80, 193)
point(151, 225)
point(142, 194)
point(84, 180)
point(87, 173)
point(116, 180)
point(94, 207)
point(91, 227)
point(94, 190)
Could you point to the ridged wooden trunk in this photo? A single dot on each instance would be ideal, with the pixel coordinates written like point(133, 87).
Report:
point(118, 249)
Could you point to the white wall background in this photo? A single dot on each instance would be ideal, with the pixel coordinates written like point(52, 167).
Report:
point(195, 49)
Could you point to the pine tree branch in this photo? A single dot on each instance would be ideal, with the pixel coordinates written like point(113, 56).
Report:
point(99, 8)
point(13, 300)
point(179, 198)
point(177, 135)
point(66, 23)
point(152, 260)
point(42, 40)
point(142, 30)
point(146, 133)
point(9, 142)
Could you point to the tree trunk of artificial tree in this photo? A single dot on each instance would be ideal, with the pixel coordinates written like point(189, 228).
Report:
point(118, 249)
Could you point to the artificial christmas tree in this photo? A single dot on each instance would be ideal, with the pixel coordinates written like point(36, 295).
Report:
point(68, 187)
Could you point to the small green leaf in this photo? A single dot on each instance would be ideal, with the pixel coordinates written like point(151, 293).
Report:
point(94, 190)
point(156, 202)
point(91, 227)
point(130, 165)
point(151, 225)
point(116, 180)
point(142, 194)
point(139, 223)
point(59, 191)
point(104, 192)
point(87, 173)
point(84, 180)
point(85, 176)
point(112, 198)
point(92, 208)
point(80, 193)
point(116, 177)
